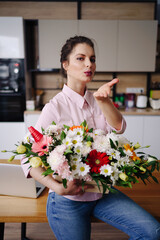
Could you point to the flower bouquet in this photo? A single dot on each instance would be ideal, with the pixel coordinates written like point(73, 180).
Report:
point(78, 152)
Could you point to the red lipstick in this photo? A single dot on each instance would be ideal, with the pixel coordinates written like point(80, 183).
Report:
point(88, 73)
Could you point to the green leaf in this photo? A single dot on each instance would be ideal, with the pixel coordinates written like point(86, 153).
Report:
point(89, 138)
point(64, 181)
point(83, 183)
point(68, 151)
point(43, 131)
point(84, 123)
point(112, 144)
point(65, 126)
point(90, 130)
point(155, 179)
point(157, 166)
point(47, 172)
point(63, 135)
point(53, 123)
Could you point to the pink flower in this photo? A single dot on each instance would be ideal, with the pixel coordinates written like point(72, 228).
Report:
point(59, 163)
point(41, 147)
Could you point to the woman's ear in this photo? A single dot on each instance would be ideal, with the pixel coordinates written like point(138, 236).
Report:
point(65, 65)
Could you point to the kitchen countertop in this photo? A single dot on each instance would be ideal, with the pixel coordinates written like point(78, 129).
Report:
point(125, 111)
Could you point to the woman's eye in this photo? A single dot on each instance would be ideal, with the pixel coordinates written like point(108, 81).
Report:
point(80, 58)
point(93, 60)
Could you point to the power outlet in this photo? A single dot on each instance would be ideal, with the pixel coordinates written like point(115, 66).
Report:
point(135, 90)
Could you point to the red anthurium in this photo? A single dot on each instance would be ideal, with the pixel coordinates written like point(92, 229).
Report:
point(97, 159)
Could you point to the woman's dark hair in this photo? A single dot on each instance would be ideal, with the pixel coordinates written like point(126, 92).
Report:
point(68, 47)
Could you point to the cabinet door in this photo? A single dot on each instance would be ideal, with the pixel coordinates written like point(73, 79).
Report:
point(137, 45)
point(134, 130)
point(104, 35)
point(11, 37)
point(11, 134)
point(52, 36)
point(152, 135)
point(30, 120)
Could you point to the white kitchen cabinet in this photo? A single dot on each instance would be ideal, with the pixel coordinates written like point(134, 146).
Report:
point(136, 48)
point(120, 46)
point(145, 130)
point(30, 119)
point(104, 35)
point(11, 134)
point(52, 36)
point(11, 37)
point(134, 130)
point(151, 135)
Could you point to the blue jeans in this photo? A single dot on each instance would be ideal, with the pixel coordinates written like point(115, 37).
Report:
point(70, 220)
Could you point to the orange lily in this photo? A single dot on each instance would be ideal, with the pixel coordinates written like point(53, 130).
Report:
point(131, 148)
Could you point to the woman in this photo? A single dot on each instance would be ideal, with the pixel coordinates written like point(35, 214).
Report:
point(69, 210)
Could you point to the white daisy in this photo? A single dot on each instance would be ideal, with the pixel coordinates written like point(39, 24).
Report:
point(106, 170)
point(77, 141)
point(114, 175)
point(75, 158)
point(68, 142)
point(78, 131)
point(114, 153)
point(82, 169)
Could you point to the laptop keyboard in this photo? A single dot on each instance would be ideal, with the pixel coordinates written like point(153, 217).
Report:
point(37, 189)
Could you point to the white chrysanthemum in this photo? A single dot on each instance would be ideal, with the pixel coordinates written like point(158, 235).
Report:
point(83, 169)
point(106, 170)
point(99, 132)
point(53, 129)
point(85, 150)
point(101, 144)
point(55, 160)
point(61, 148)
point(114, 153)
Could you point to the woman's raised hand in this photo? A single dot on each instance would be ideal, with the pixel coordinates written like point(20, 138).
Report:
point(104, 91)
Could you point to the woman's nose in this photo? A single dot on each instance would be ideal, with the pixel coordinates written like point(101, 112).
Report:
point(88, 63)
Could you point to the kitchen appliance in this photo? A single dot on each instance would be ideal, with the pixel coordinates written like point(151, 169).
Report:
point(130, 100)
point(119, 99)
point(141, 101)
point(12, 77)
point(154, 103)
point(12, 90)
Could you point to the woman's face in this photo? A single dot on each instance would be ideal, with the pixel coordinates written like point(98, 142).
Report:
point(81, 64)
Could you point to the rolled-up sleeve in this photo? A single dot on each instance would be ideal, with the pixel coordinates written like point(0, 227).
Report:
point(123, 127)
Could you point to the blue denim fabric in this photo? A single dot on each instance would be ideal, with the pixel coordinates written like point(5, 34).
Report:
point(70, 220)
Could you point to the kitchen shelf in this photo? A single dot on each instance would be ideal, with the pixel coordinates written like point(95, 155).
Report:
point(52, 70)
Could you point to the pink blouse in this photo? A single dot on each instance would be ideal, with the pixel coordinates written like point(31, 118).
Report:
point(70, 108)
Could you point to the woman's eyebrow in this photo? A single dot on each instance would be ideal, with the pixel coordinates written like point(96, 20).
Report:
point(84, 55)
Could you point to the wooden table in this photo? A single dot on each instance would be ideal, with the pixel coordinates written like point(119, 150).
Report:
point(22, 210)
point(28, 210)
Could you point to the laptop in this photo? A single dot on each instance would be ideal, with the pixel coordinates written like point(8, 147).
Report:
point(14, 183)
